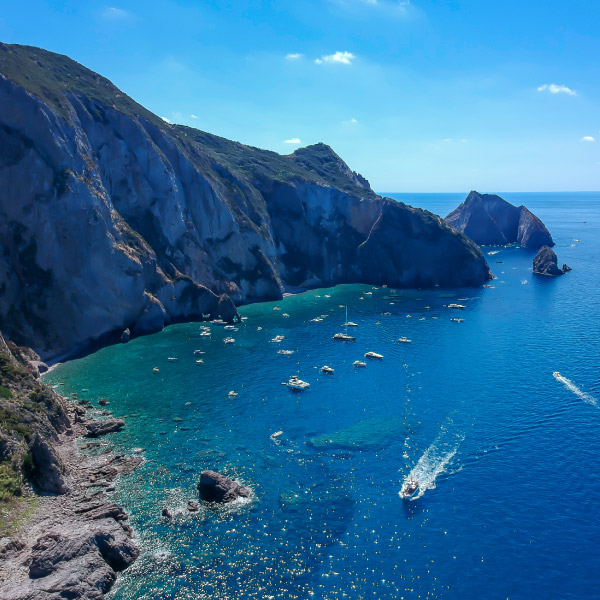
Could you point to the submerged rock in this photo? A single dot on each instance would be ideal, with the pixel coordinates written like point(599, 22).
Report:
point(489, 219)
point(98, 428)
point(546, 263)
point(214, 487)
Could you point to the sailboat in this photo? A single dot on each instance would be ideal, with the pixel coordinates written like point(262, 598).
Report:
point(344, 336)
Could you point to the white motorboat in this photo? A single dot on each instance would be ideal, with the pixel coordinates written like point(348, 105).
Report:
point(219, 322)
point(155, 370)
point(198, 352)
point(556, 374)
point(409, 488)
point(373, 355)
point(232, 394)
point(205, 334)
point(350, 324)
point(461, 306)
point(229, 340)
point(286, 352)
point(171, 358)
point(199, 361)
point(297, 384)
point(230, 327)
point(344, 337)
point(359, 363)
point(326, 369)
point(275, 435)
point(404, 340)
point(278, 339)
point(455, 320)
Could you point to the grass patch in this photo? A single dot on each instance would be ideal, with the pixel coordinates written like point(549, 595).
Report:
point(14, 513)
point(5, 392)
point(10, 481)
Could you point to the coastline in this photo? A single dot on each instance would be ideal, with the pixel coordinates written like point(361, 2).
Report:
point(74, 543)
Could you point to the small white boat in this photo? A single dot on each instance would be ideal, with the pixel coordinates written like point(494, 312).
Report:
point(359, 363)
point(276, 308)
point(232, 394)
point(205, 334)
point(373, 355)
point(368, 293)
point(286, 352)
point(556, 374)
point(278, 339)
point(171, 358)
point(455, 320)
point(199, 361)
point(275, 435)
point(326, 369)
point(297, 384)
point(230, 328)
point(409, 488)
point(198, 352)
point(404, 340)
point(350, 324)
point(219, 322)
point(344, 337)
point(285, 315)
point(461, 306)
point(244, 318)
point(229, 340)
point(155, 370)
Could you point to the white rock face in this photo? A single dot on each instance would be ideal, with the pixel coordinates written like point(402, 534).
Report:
point(111, 219)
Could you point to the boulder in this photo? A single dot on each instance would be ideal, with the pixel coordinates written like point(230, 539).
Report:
point(98, 428)
point(546, 263)
point(125, 336)
point(49, 474)
point(214, 487)
point(489, 219)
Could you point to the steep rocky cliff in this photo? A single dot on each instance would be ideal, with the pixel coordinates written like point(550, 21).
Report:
point(111, 218)
point(489, 219)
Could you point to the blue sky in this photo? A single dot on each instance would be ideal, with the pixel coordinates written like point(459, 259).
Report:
point(419, 96)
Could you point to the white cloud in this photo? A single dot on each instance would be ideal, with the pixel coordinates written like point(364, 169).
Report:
point(111, 13)
point(193, 116)
point(166, 120)
point(295, 141)
point(587, 138)
point(351, 121)
point(294, 56)
point(552, 88)
point(343, 58)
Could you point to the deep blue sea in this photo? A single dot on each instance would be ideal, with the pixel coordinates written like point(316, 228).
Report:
point(508, 456)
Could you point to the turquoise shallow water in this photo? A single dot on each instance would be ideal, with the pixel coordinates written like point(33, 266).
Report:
point(507, 454)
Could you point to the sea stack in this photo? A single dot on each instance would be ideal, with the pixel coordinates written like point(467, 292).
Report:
point(490, 220)
point(546, 263)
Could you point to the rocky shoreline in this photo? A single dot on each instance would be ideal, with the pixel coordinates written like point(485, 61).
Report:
point(73, 544)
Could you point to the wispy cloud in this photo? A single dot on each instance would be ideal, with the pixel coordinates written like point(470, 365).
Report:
point(587, 138)
point(294, 56)
point(112, 13)
point(193, 116)
point(552, 88)
point(341, 58)
point(295, 141)
point(450, 140)
point(351, 121)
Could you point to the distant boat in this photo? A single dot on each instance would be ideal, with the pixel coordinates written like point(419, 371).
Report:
point(155, 370)
point(461, 306)
point(205, 334)
point(297, 384)
point(232, 394)
point(350, 324)
point(278, 338)
point(455, 320)
point(275, 435)
point(409, 488)
point(198, 352)
point(229, 340)
point(230, 328)
point(404, 340)
point(373, 355)
point(556, 374)
point(359, 363)
point(326, 369)
point(343, 336)
point(219, 322)
point(286, 352)
point(199, 361)
point(171, 358)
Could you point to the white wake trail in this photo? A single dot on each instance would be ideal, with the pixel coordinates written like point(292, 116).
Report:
point(433, 462)
point(577, 391)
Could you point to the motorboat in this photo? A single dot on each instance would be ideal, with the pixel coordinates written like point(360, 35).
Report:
point(297, 384)
point(198, 352)
point(232, 394)
point(344, 337)
point(171, 358)
point(409, 488)
point(359, 363)
point(200, 361)
point(285, 315)
point(278, 339)
point(404, 340)
point(350, 324)
point(373, 355)
point(461, 306)
point(276, 308)
point(230, 327)
point(229, 340)
point(556, 374)
point(286, 352)
point(326, 369)
point(275, 435)
point(455, 320)
point(156, 370)
point(205, 334)
point(219, 322)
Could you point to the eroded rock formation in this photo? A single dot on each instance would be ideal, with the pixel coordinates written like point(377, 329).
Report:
point(546, 263)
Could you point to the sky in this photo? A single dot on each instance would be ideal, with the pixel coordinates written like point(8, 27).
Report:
point(417, 96)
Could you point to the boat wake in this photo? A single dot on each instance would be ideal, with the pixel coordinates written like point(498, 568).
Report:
point(577, 391)
point(434, 462)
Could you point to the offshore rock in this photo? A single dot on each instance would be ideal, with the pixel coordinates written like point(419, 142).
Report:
point(226, 309)
point(98, 428)
point(125, 336)
point(214, 487)
point(489, 219)
point(113, 219)
point(546, 263)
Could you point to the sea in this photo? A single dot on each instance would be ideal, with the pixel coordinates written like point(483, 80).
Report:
point(496, 415)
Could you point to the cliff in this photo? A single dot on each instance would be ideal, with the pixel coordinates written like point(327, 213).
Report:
point(111, 218)
point(489, 219)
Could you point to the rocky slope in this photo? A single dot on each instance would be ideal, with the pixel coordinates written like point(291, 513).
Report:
point(77, 539)
point(489, 219)
point(111, 218)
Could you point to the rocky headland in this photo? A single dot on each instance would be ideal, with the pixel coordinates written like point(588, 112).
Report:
point(115, 223)
point(62, 536)
point(490, 220)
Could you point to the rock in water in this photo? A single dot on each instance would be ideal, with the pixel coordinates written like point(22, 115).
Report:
point(126, 336)
point(98, 428)
point(489, 219)
point(214, 487)
point(546, 263)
